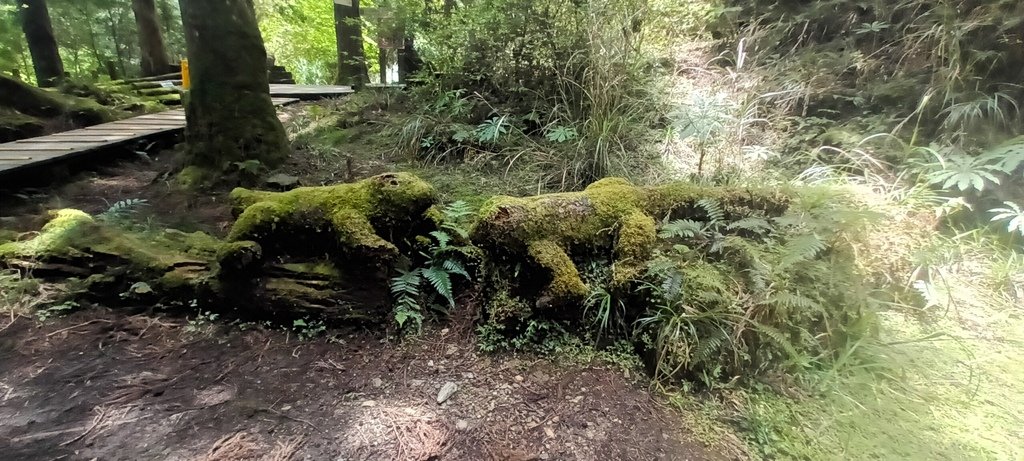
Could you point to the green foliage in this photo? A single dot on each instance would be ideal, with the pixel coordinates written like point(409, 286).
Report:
point(308, 329)
point(122, 209)
point(1012, 215)
point(446, 256)
point(56, 310)
point(784, 295)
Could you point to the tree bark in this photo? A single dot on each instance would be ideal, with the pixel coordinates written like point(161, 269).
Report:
point(348, 30)
point(35, 22)
point(151, 40)
point(408, 60)
point(229, 113)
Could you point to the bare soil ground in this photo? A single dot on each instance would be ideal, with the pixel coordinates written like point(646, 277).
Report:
point(101, 384)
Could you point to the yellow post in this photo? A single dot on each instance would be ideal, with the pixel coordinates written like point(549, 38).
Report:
point(186, 80)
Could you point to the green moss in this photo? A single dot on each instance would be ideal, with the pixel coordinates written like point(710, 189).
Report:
point(240, 256)
point(351, 212)
point(609, 214)
point(565, 279)
point(325, 269)
point(59, 237)
point(192, 177)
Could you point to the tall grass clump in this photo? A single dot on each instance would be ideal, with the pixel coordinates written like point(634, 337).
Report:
point(564, 87)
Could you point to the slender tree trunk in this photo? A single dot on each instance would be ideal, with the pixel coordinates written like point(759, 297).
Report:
point(382, 62)
point(229, 113)
point(118, 49)
point(151, 40)
point(35, 22)
point(348, 30)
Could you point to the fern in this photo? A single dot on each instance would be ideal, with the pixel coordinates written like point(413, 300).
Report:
point(454, 267)
point(752, 224)
point(680, 228)
point(801, 248)
point(709, 345)
point(715, 213)
point(123, 208)
point(442, 238)
point(441, 282)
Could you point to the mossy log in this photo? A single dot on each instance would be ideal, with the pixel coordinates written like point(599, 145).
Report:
point(99, 260)
point(611, 217)
point(364, 221)
point(15, 126)
point(36, 102)
point(309, 251)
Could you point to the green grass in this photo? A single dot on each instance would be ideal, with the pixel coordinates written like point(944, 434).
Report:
point(945, 384)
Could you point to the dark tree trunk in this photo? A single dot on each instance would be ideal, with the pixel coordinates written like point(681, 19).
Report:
point(348, 30)
point(35, 22)
point(408, 60)
point(229, 112)
point(151, 40)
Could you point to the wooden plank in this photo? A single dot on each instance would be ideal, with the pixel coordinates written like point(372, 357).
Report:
point(145, 127)
point(70, 147)
point(151, 122)
point(104, 138)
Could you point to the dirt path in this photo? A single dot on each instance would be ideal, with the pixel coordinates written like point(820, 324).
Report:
point(100, 385)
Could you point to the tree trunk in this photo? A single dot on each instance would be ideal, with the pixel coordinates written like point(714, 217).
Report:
point(408, 60)
point(229, 112)
point(151, 40)
point(35, 22)
point(348, 30)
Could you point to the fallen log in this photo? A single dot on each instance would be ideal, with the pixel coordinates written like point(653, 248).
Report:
point(319, 251)
point(611, 218)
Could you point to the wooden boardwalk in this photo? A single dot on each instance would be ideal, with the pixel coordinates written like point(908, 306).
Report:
point(308, 92)
point(32, 152)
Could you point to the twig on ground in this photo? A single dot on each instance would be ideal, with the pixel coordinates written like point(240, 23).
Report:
point(76, 326)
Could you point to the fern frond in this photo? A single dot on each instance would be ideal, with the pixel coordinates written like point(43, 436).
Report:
point(455, 267)
point(709, 345)
point(680, 228)
point(801, 248)
point(442, 238)
point(441, 282)
point(752, 224)
point(715, 213)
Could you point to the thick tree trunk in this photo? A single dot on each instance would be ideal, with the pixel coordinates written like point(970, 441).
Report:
point(408, 60)
point(229, 112)
point(348, 30)
point(35, 22)
point(151, 40)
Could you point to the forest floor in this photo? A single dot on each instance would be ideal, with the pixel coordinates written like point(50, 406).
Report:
point(142, 383)
point(940, 383)
point(103, 384)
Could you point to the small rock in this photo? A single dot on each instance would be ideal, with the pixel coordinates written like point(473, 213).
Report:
point(468, 375)
point(377, 382)
point(549, 432)
point(446, 392)
point(461, 425)
point(282, 181)
point(519, 378)
point(369, 403)
point(544, 456)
